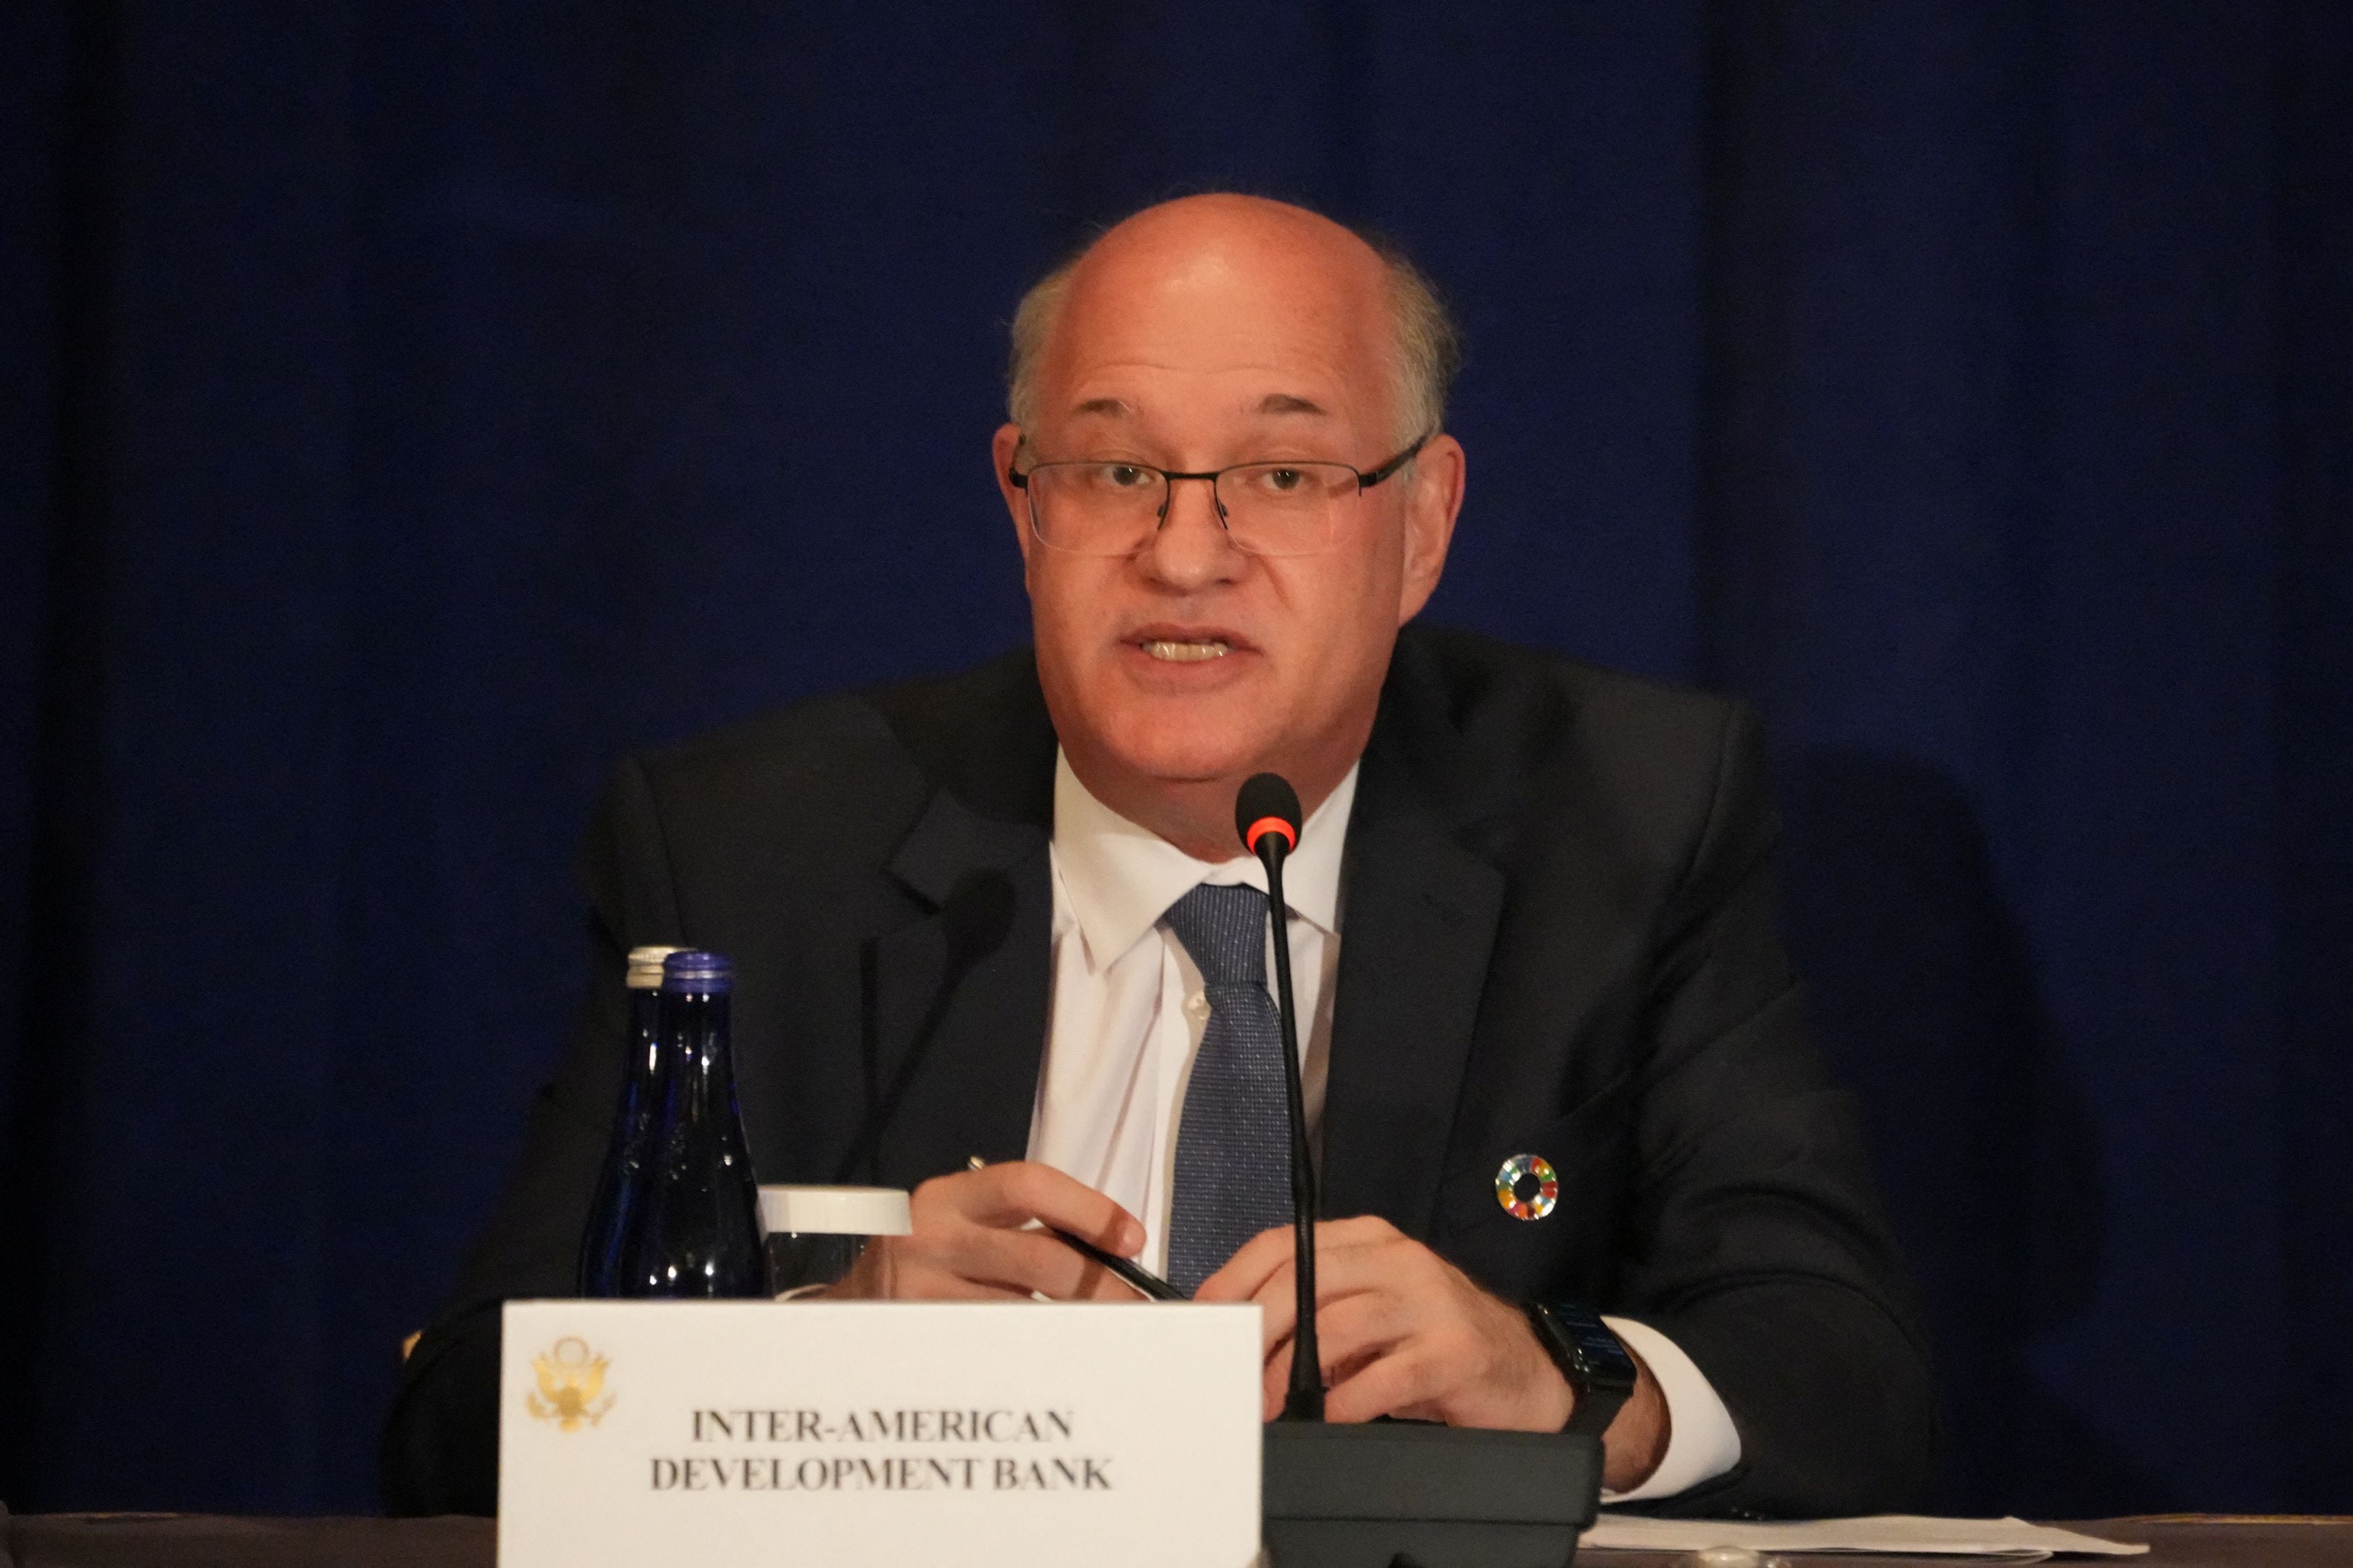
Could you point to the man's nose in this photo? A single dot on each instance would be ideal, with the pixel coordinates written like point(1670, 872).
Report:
point(1191, 548)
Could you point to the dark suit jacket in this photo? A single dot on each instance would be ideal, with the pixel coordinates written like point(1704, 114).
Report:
point(1559, 940)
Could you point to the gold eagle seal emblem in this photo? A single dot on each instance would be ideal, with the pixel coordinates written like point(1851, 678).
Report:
point(571, 1385)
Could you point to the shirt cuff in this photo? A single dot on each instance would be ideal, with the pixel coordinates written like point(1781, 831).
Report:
point(1702, 1443)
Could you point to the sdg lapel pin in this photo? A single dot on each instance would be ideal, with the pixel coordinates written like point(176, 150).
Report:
point(1527, 1186)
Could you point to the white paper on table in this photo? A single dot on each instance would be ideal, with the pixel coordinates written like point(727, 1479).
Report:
point(1889, 1533)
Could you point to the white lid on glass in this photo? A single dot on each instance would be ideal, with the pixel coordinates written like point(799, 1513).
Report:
point(835, 1211)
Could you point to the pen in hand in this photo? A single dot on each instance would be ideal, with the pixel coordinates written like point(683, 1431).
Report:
point(1127, 1268)
point(1133, 1274)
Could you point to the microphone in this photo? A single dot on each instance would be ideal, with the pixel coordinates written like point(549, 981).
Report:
point(1267, 815)
point(1386, 1491)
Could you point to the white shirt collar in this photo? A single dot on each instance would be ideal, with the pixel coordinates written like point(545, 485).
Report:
point(1120, 878)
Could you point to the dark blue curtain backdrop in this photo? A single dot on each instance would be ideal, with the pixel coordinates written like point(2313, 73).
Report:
point(409, 406)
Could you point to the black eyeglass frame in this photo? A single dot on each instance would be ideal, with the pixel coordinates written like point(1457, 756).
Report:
point(1366, 480)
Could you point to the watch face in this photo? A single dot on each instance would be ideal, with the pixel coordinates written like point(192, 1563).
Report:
point(1585, 1340)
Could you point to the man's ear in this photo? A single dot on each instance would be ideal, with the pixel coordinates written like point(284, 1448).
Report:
point(1433, 499)
point(1003, 448)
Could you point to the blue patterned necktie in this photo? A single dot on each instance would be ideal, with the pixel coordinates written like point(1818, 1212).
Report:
point(1233, 1144)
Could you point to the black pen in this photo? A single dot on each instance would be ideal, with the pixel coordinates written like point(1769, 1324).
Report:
point(1127, 1268)
point(1133, 1273)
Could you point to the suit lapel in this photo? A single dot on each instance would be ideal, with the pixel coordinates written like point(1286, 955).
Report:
point(954, 1003)
point(1418, 925)
point(958, 1000)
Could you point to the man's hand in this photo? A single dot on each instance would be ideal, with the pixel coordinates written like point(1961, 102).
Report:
point(969, 1244)
point(1404, 1333)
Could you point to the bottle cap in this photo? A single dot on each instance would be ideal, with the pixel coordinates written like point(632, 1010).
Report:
point(700, 973)
point(835, 1211)
point(646, 967)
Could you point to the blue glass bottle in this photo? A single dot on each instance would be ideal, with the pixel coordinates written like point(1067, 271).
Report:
point(621, 1184)
point(694, 1230)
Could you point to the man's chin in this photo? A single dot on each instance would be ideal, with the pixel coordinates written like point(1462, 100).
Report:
point(1194, 749)
point(1175, 766)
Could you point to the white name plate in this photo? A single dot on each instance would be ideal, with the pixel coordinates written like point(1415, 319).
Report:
point(758, 1432)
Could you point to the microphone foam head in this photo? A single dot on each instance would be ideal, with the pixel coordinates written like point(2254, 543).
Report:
point(1267, 804)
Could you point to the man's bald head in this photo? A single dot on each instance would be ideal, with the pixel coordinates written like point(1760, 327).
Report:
point(1178, 239)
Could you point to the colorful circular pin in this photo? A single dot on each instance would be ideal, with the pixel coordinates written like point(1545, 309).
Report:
point(1527, 1186)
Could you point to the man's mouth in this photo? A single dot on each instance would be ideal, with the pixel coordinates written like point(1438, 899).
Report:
point(1173, 652)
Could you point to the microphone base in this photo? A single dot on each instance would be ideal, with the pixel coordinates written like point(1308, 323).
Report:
point(1425, 1496)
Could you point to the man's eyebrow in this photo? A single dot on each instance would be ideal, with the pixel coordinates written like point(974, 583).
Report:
point(1272, 403)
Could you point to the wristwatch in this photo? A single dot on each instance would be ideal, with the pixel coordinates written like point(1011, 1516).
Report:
point(1599, 1371)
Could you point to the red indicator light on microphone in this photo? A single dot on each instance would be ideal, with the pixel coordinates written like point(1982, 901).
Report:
point(1266, 824)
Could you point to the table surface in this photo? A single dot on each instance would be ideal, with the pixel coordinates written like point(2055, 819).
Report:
point(201, 1541)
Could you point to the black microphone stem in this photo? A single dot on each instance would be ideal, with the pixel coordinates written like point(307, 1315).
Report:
point(1306, 1401)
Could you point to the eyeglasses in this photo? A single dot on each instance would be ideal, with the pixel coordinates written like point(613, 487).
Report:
point(1266, 509)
